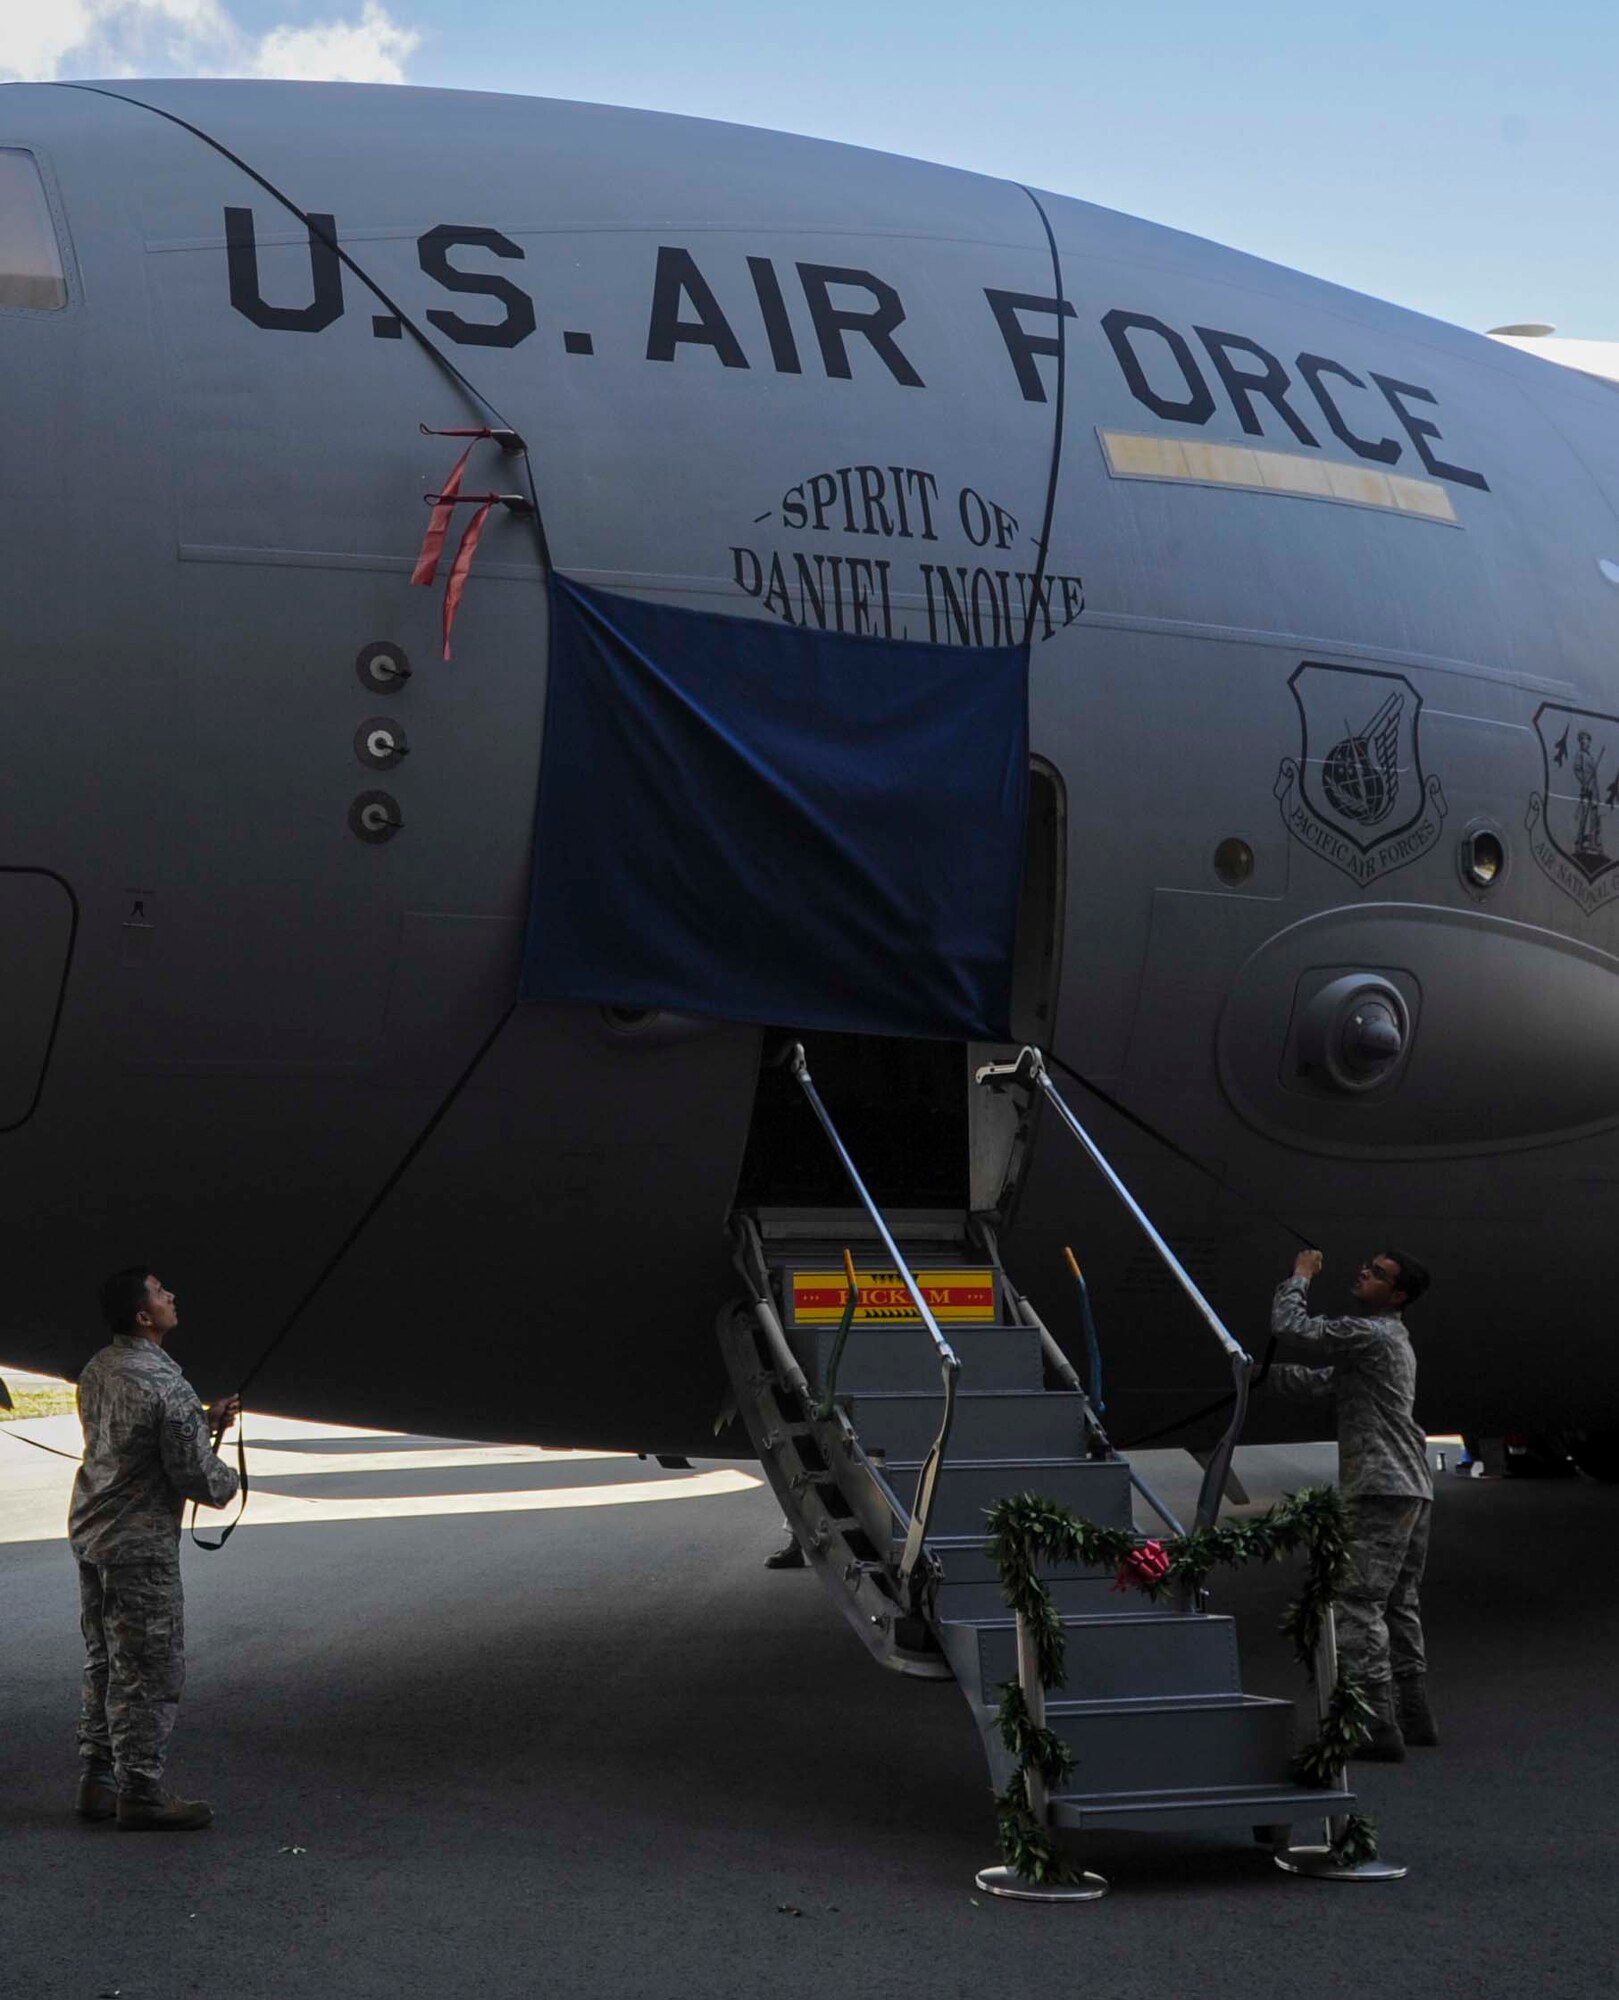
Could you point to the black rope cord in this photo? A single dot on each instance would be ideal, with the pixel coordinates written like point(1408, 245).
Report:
point(1096, 1090)
point(1054, 474)
point(9, 1430)
point(497, 421)
point(77, 1458)
point(381, 1195)
point(500, 422)
point(1062, 311)
point(311, 1291)
point(330, 242)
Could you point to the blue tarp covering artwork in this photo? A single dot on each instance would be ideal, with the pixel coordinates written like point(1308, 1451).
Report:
point(762, 823)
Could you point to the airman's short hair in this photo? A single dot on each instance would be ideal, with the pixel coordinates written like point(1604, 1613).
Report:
point(124, 1294)
point(1414, 1278)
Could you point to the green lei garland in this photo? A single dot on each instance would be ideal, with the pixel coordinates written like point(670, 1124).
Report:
point(1025, 1528)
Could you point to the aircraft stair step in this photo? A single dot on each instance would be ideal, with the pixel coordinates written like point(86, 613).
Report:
point(967, 1559)
point(1097, 1489)
point(1168, 1743)
point(989, 1423)
point(969, 1600)
point(1153, 1712)
point(903, 1357)
point(797, 1234)
point(1108, 1658)
point(1256, 1806)
point(969, 1587)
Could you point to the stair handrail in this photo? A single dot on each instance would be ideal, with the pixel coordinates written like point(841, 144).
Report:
point(750, 1265)
point(1067, 1373)
point(851, 1305)
point(927, 1480)
point(1024, 1312)
point(1030, 1069)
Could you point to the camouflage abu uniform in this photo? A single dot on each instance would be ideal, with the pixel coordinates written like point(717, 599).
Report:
point(1371, 1374)
point(146, 1453)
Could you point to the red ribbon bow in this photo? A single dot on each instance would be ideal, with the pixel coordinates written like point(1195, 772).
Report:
point(449, 498)
point(443, 512)
point(1143, 1567)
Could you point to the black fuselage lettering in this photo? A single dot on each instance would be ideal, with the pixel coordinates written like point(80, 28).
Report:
point(823, 494)
point(325, 272)
point(1385, 451)
point(1243, 384)
point(876, 326)
point(676, 281)
point(1261, 377)
point(433, 254)
point(924, 486)
point(976, 524)
point(1197, 405)
point(1023, 346)
point(773, 311)
point(1419, 430)
point(877, 520)
point(860, 586)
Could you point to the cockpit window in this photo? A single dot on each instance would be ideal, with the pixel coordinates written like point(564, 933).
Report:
point(31, 273)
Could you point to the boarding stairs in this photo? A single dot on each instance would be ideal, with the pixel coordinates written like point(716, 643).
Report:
point(885, 1448)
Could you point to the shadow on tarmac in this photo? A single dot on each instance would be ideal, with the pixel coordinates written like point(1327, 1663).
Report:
point(524, 1476)
point(352, 1442)
point(603, 1752)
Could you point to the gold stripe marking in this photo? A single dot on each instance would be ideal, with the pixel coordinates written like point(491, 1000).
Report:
point(1421, 496)
point(1131, 455)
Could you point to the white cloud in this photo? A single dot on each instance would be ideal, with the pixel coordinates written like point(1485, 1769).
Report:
point(373, 49)
point(67, 38)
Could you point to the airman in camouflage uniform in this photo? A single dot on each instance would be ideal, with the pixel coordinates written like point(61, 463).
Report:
point(1370, 1373)
point(147, 1451)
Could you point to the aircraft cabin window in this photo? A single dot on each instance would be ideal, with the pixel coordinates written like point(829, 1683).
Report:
point(31, 274)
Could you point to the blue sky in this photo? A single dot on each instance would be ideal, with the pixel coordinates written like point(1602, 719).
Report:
point(1462, 159)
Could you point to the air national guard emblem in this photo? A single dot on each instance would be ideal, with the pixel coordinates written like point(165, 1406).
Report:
point(1356, 794)
point(1574, 823)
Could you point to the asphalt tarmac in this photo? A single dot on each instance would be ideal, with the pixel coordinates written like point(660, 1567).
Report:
point(509, 1724)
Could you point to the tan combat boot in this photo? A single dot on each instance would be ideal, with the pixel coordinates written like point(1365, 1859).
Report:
point(98, 1794)
point(163, 1814)
point(1416, 1717)
point(1383, 1745)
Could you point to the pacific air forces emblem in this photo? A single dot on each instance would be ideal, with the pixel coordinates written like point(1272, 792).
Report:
point(1356, 794)
point(1574, 822)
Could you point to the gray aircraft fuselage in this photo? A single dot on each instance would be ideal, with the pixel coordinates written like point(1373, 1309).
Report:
point(1309, 578)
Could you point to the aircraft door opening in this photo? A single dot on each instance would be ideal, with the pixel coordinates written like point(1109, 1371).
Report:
point(897, 1101)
